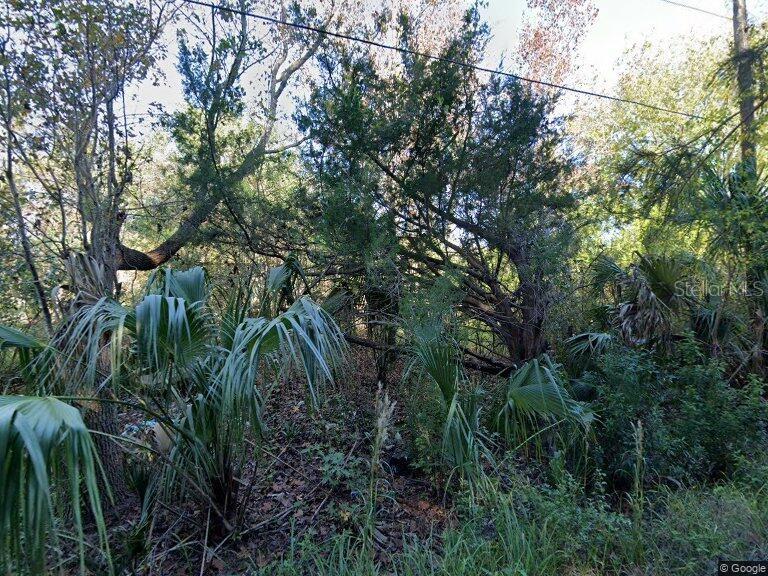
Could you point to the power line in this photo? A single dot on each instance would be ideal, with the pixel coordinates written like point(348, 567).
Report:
point(410, 52)
point(697, 9)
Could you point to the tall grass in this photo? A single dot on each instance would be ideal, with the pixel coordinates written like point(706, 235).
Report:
point(540, 531)
point(384, 420)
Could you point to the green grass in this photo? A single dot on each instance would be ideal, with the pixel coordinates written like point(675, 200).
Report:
point(689, 529)
point(530, 530)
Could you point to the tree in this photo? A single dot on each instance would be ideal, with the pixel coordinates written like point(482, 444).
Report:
point(215, 57)
point(550, 38)
point(463, 172)
point(67, 81)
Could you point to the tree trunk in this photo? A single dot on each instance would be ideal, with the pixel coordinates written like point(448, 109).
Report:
point(746, 92)
point(745, 80)
point(29, 260)
point(22, 228)
point(103, 418)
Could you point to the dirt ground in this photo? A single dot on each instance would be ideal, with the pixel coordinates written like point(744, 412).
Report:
point(310, 483)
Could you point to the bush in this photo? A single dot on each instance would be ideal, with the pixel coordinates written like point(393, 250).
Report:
point(717, 422)
point(629, 388)
point(696, 424)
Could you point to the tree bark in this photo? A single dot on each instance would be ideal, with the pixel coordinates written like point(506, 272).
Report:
point(103, 418)
point(745, 81)
point(746, 91)
point(130, 259)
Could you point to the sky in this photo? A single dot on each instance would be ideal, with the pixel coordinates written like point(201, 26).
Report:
point(619, 25)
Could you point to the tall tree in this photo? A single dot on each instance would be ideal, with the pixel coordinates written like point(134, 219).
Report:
point(219, 53)
point(73, 65)
point(12, 107)
point(551, 34)
point(467, 172)
point(743, 57)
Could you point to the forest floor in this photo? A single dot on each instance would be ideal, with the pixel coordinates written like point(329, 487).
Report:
point(307, 497)
point(310, 484)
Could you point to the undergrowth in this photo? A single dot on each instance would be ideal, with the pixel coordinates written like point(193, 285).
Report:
point(530, 530)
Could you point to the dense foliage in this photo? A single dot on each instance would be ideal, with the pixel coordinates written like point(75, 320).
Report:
point(347, 311)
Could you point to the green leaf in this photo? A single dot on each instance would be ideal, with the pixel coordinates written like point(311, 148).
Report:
point(37, 435)
point(536, 395)
point(13, 338)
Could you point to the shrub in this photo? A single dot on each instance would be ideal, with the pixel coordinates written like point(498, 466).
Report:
point(696, 424)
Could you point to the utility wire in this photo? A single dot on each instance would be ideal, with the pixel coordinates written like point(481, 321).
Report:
point(410, 52)
point(697, 9)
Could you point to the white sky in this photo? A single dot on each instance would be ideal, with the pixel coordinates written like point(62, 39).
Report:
point(619, 25)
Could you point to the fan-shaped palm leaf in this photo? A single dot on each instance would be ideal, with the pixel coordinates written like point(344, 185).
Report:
point(42, 441)
point(582, 348)
point(169, 329)
point(648, 294)
point(305, 333)
point(172, 327)
point(13, 338)
point(462, 441)
point(667, 278)
point(606, 271)
point(280, 285)
point(210, 442)
point(87, 351)
point(535, 392)
point(438, 360)
point(189, 285)
point(25, 347)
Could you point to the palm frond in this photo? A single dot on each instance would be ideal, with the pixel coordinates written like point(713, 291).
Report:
point(25, 347)
point(305, 334)
point(606, 271)
point(189, 285)
point(43, 442)
point(169, 329)
point(210, 447)
point(582, 348)
point(88, 277)
point(280, 285)
point(235, 312)
point(13, 338)
point(535, 394)
point(667, 278)
point(648, 295)
point(88, 349)
point(462, 442)
point(438, 360)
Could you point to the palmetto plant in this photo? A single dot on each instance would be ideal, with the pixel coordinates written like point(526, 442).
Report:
point(732, 207)
point(647, 295)
point(582, 349)
point(462, 438)
point(658, 295)
point(44, 444)
point(203, 377)
point(23, 348)
point(535, 400)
